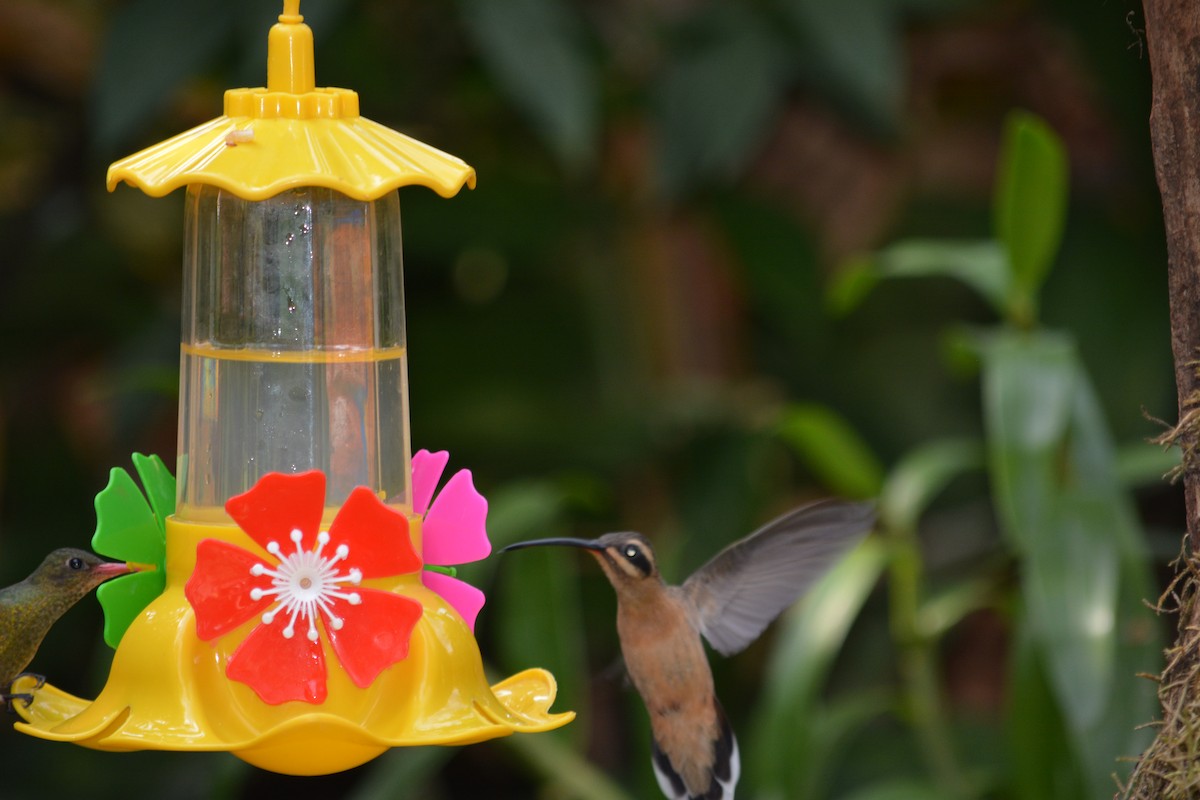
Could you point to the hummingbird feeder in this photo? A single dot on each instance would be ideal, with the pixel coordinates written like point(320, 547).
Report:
point(298, 608)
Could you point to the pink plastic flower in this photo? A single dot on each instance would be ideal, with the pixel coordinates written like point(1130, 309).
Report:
point(454, 529)
point(312, 575)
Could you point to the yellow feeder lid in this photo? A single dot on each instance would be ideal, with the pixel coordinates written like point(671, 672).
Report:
point(292, 134)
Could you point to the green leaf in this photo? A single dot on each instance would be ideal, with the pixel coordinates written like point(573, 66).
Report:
point(900, 790)
point(810, 636)
point(536, 604)
point(1030, 205)
point(565, 768)
point(856, 49)
point(398, 772)
point(1028, 385)
point(948, 606)
point(150, 48)
point(535, 51)
point(523, 510)
point(821, 740)
point(832, 449)
point(981, 265)
point(1085, 570)
point(1041, 754)
point(918, 478)
point(1141, 464)
point(717, 98)
point(851, 284)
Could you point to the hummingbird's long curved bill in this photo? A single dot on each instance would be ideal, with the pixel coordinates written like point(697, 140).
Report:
point(587, 544)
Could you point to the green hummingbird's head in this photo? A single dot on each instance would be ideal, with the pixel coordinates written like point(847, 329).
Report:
point(74, 572)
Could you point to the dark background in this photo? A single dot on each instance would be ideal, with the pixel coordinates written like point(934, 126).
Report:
point(610, 329)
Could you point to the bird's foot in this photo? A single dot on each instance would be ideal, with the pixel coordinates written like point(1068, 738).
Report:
point(9, 698)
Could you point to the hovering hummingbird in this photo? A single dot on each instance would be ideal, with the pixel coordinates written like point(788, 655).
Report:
point(28, 609)
point(730, 600)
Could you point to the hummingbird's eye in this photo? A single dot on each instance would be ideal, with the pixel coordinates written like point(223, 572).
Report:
point(75, 563)
point(637, 558)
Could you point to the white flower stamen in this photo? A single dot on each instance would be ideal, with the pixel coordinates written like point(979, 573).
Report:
point(306, 584)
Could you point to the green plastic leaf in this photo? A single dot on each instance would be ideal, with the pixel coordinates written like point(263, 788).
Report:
point(124, 598)
point(535, 51)
point(126, 526)
point(832, 449)
point(810, 636)
point(717, 98)
point(131, 527)
point(159, 484)
point(981, 265)
point(1030, 204)
point(918, 478)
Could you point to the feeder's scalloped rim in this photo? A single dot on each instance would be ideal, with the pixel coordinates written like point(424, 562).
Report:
point(528, 695)
point(356, 156)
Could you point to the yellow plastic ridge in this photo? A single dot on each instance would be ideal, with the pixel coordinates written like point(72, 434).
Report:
point(292, 134)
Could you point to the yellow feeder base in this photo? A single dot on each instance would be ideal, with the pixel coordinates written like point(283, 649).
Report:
point(167, 689)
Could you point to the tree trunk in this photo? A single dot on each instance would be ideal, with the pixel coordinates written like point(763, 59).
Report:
point(1168, 768)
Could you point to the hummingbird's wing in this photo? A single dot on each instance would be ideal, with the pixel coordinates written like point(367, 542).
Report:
point(736, 595)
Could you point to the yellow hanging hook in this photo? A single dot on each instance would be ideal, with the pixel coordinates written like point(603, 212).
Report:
point(291, 12)
point(290, 53)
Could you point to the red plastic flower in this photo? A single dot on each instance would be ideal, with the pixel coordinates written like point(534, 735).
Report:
point(312, 576)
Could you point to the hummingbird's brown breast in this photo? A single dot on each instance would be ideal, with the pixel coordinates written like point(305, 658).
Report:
point(669, 668)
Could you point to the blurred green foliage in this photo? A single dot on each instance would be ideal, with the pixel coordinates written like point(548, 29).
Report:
point(724, 257)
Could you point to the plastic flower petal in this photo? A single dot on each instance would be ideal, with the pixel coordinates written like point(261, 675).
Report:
point(427, 470)
point(454, 530)
point(224, 599)
point(131, 526)
point(466, 599)
point(455, 526)
point(370, 641)
point(311, 583)
point(280, 669)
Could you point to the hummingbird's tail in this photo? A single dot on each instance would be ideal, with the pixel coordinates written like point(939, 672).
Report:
point(722, 777)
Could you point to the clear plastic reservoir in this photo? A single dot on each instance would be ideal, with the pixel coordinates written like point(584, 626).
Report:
point(293, 350)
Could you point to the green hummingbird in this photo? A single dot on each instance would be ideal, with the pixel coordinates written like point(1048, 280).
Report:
point(28, 609)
